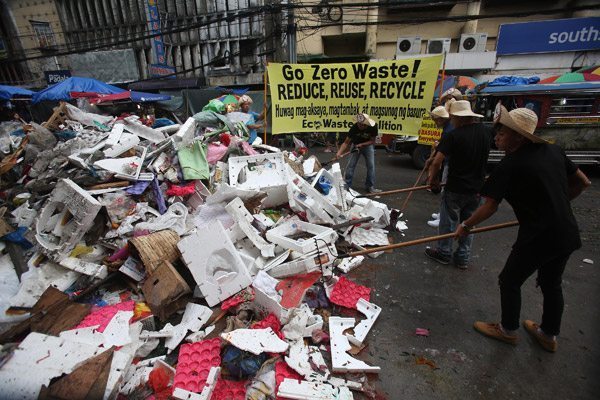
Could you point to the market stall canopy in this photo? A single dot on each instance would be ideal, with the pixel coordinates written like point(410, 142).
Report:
point(126, 96)
point(461, 82)
point(10, 92)
point(62, 90)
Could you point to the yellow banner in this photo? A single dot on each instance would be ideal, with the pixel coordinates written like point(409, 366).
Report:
point(429, 132)
point(326, 97)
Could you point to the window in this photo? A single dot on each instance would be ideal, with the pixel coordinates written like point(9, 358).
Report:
point(44, 34)
point(572, 105)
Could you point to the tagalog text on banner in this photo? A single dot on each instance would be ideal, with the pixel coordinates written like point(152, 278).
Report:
point(325, 97)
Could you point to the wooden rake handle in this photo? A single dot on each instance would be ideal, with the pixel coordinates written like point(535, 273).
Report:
point(394, 191)
point(427, 239)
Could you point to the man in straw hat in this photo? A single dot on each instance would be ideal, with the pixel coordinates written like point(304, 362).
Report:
point(467, 148)
point(538, 181)
point(362, 137)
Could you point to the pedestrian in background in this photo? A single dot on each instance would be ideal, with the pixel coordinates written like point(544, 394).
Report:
point(467, 147)
point(538, 181)
point(245, 103)
point(361, 137)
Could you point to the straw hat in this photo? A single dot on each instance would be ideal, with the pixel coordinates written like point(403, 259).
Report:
point(462, 108)
point(451, 93)
point(245, 99)
point(521, 120)
point(364, 119)
point(439, 112)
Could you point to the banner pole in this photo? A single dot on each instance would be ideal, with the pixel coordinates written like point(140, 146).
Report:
point(265, 121)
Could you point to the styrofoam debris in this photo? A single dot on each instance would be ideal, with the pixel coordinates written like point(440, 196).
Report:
point(342, 361)
point(371, 311)
point(194, 317)
point(348, 264)
point(256, 341)
point(369, 237)
point(292, 389)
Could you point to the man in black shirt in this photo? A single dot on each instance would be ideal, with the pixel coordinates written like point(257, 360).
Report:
point(538, 181)
point(362, 137)
point(467, 147)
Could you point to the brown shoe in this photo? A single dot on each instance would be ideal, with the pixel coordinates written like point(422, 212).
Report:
point(534, 330)
point(495, 332)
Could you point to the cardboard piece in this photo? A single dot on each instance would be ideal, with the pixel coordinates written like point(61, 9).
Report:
point(165, 290)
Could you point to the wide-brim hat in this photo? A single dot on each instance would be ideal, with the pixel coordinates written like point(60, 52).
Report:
point(439, 112)
point(245, 99)
point(364, 119)
point(462, 108)
point(521, 120)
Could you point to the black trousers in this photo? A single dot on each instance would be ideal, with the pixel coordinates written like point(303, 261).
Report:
point(519, 266)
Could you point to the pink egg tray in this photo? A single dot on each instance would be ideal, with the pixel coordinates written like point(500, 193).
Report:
point(346, 293)
point(102, 315)
point(229, 390)
point(194, 363)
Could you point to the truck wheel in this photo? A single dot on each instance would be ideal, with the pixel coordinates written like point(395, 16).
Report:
point(419, 155)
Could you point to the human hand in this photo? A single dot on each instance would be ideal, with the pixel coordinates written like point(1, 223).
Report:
point(461, 231)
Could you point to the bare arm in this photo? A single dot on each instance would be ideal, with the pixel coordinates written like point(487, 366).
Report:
point(578, 182)
point(343, 147)
point(482, 213)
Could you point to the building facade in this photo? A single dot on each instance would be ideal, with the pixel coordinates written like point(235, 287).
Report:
point(29, 28)
point(467, 31)
point(224, 42)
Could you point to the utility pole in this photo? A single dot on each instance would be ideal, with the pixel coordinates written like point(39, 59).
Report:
point(291, 35)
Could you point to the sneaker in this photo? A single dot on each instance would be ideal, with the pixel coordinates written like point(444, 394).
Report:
point(435, 216)
point(546, 342)
point(460, 265)
point(434, 223)
point(434, 254)
point(373, 190)
point(495, 331)
point(328, 150)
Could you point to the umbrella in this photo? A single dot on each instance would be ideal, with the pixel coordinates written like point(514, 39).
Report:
point(574, 77)
point(466, 82)
point(594, 70)
point(9, 92)
point(228, 99)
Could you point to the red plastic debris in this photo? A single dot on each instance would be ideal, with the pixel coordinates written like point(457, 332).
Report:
point(238, 298)
point(181, 190)
point(294, 288)
point(158, 380)
point(346, 293)
point(229, 390)
point(225, 138)
point(422, 332)
point(194, 363)
point(102, 315)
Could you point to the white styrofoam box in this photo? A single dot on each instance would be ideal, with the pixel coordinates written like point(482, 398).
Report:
point(266, 172)
point(333, 196)
point(303, 197)
point(214, 263)
point(66, 217)
point(319, 236)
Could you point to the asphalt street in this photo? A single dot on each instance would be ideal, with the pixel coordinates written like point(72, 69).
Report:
point(455, 361)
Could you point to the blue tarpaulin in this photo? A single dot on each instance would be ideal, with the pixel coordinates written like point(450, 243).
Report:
point(8, 92)
point(62, 90)
point(513, 81)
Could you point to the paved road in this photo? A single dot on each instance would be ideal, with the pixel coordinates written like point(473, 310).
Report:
point(415, 292)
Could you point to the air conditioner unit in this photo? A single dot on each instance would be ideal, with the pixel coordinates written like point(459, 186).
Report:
point(408, 45)
point(438, 45)
point(472, 42)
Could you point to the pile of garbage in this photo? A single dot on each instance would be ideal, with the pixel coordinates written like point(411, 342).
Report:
point(179, 262)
